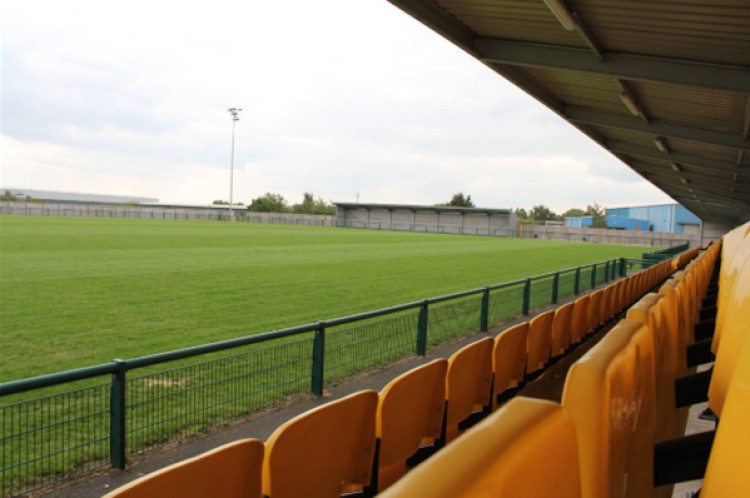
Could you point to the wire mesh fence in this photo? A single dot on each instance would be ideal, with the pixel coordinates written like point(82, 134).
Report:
point(506, 303)
point(52, 438)
point(452, 319)
point(354, 349)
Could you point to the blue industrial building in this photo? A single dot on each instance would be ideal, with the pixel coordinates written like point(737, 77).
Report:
point(669, 218)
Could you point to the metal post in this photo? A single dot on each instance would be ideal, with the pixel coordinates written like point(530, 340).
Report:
point(484, 319)
point(117, 406)
point(526, 296)
point(623, 271)
point(555, 288)
point(234, 111)
point(422, 329)
point(606, 272)
point(318, 360)
point(593, 276)
point(577, 285)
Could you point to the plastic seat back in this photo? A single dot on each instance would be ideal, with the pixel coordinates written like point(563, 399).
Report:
point(326, 451)
point(410, 413)
point(726, 474)
point(735, 251)
point(526, 449)
point(594, 311)
point(651, 310)
point(606, 304)
point(603, 392)
point(733, 334)
point(509, 359)
point(561, 329)
point(539, 341)
point(233, 470)
point(578, 324)
point(467, 383)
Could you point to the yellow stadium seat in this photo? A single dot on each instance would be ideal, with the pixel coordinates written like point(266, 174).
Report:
point(561, 329)
point(325, 452)
point(508, 360)
point(579, 326)
point(605, 314)
point(525, 449)
point(410, 413)
point(651, 310)
point(604, 392)
point(734, 330)
point(539, 341)
point(594, 310)
point(726, 474)
point(735, 251)
point(468, 384)
point(232, 470)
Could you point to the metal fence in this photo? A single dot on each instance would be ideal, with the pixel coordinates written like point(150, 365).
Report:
point(139, 211)
point(58, 426)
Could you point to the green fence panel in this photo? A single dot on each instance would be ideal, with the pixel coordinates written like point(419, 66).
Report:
point(354, 349)
point(506, 303)
point(53, 438)
point(585, 278)
point(566, 286)
point(454, 318)
point(170, 405)
point(541, 292)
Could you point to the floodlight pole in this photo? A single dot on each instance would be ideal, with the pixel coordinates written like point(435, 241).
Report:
point(235, 112)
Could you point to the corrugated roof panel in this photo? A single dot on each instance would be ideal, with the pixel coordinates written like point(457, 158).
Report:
point(702, 30)
point(511, 19)
point(703, 149)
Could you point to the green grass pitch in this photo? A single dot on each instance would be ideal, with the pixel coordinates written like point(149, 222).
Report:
point(81, 291)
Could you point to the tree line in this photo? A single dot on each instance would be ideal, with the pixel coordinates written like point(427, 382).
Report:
point(541, 213)
point(276, 203)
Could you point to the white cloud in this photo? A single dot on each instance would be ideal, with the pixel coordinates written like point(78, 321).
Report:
point(339, 97)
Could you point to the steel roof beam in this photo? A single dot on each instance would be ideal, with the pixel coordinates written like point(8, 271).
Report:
point(722, 184)
point(620, 147)
point(619, 65)
point(596, 117)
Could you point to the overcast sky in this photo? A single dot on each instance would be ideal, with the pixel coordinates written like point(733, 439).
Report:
point(339, 97)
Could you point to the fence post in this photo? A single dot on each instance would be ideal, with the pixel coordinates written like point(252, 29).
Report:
point(319, 343)
point(577, 285)
point(593, 276)
point(422, 330)
point(526, 296)
point(555, 285)
point(623, 271)
point(117, 405)
point(606, 272)
point(614, 269)
point(483, 321)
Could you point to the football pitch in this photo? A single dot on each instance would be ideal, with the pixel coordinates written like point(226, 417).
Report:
point(82, 291)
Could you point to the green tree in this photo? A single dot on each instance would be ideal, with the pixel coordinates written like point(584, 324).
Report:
point(459, 200)
point(598, 215)
point(220, 203)
point(310, 205)
point(574, 213)
point(269, 203)
point(542, 213)
point(7, 196)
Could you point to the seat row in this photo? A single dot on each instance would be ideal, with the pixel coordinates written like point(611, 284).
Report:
point(369, 440)
point(618, 401)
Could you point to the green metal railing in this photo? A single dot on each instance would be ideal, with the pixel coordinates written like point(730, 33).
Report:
point(657, 256)
point(113, 411)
